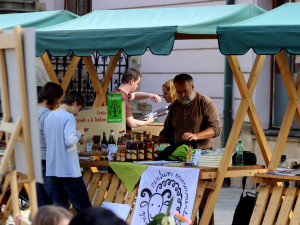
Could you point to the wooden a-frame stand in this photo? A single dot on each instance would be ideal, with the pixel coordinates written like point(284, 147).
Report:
point(19, 130)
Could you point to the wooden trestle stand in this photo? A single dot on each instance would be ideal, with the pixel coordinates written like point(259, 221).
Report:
point(15, 131)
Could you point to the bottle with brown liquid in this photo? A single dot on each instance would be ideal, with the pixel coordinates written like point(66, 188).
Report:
point(112, 139)
point(141, 152)
point(134, 149)
point(128, 148)
point(150, 148)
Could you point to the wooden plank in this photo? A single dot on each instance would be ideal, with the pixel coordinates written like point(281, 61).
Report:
point(94, 185)
point(121, 194)
point(8, 207)
point(7, 127)
point(293, 96)
point(94, 78)
point(198, 197)
point(102, 189)
point(25, 121)
point(296, 215)
point(274, 205)
point(129, 200)
point(4, 88)
point(260, 206)
point(49, 68)
point(230, 145)
point(114, 185)
point(110, 70)
point(87, 177)
point(14, 193)
point(286, 206)
point(131, 196)
point(7, 41)
point(70, 72)
point(10, 145)
point(232, 173)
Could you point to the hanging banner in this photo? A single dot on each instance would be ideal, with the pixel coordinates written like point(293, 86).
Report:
point(158, 186)
point(114, 108)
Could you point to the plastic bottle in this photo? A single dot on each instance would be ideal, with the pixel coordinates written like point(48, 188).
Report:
point(239, 154)
point(189, 157)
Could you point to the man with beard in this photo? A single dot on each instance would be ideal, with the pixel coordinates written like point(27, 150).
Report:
point(192, 119)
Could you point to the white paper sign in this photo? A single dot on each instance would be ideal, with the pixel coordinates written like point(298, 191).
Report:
point(158, 186)
point(121, 210)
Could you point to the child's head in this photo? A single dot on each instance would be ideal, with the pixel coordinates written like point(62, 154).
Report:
point(75, 100)
point(51, 93)
point(52, 215)
point(96, 216)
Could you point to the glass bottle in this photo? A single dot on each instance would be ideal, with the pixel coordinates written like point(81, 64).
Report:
point(134, 149)
point(141, 152)
point(128, 148)
point(150, 147)
point(239, 154)
point(104, 143)
point(111, 139)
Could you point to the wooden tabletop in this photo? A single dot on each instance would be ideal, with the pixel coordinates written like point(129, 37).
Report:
point(271, 178)
point(205, 172)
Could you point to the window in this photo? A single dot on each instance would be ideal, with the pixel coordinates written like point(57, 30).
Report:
point(79, 7)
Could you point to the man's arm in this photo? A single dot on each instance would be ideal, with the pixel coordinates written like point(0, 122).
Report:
point(205, 134)
point(133, 123)
point(143, 95)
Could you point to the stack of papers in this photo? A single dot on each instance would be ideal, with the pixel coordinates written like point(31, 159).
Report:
point(282, 171)
point(210, 160)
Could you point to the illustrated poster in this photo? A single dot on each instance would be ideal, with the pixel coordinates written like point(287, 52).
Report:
point(158, 185)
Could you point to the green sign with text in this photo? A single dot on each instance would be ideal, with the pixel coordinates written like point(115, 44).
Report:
point(114, 108)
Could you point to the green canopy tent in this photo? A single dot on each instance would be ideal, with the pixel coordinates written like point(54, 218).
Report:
point(273, 33)
point(35, 19)
point(135, 30)
point(269, 33)
point(265, 34)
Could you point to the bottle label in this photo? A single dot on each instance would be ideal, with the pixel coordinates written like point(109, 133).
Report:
point(149, 154)
point(141, 154)
point(133, 155)
point(128, 155)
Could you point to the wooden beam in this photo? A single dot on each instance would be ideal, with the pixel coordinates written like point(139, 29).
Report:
point(70, 72)
point(49, 68)
point(25, 120)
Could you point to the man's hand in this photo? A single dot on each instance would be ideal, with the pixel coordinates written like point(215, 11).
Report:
point(189, 137)
point(155, 98)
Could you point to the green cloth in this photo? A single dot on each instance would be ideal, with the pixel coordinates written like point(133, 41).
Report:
point(265, 34)
point(35, 19)
point(129, 173)
point(180, 153)
point(136, 30)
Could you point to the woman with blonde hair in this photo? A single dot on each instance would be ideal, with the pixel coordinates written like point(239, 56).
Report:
point(169, 91)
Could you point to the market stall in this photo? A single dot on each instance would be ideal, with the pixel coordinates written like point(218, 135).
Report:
point(274, 33)
point(134, 31)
